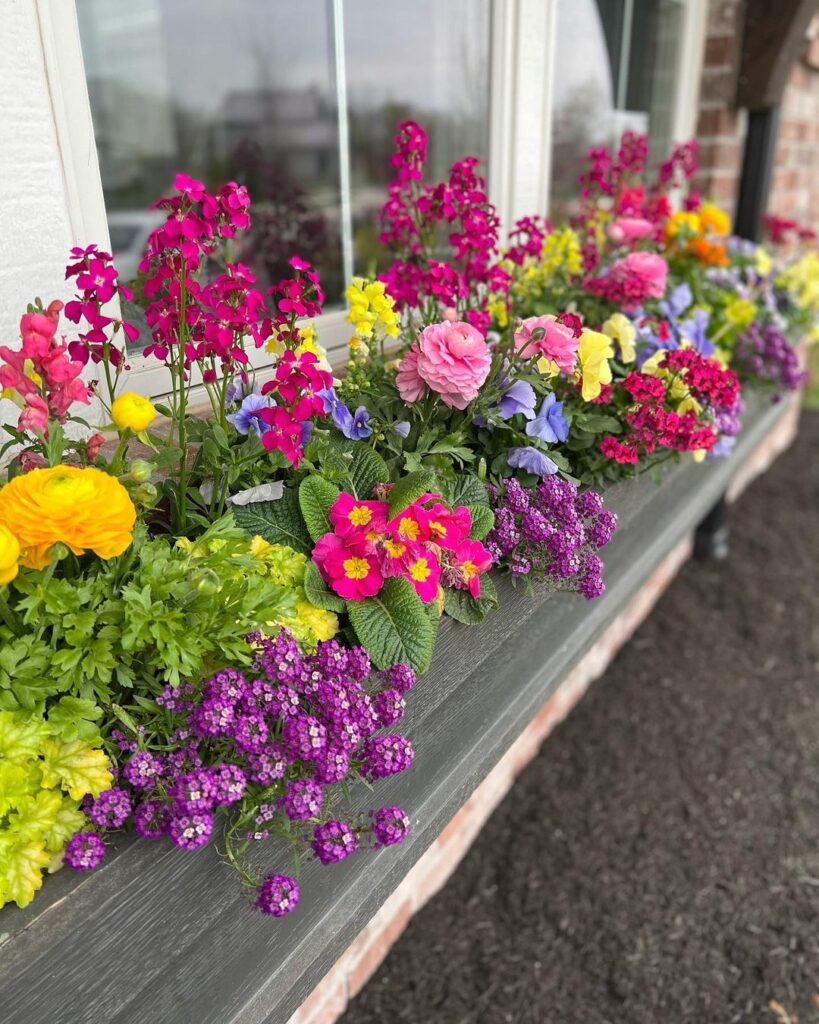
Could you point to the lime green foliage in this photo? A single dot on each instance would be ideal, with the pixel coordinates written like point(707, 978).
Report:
point(157, 614)
point(285, 567)
point(46, 767)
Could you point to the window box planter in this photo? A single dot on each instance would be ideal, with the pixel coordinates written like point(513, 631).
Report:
point(156, 934)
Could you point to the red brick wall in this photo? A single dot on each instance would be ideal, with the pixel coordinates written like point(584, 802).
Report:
point(721, 127)
point(795, 185)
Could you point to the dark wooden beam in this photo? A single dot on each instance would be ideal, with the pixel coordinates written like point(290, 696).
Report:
point(772, 41)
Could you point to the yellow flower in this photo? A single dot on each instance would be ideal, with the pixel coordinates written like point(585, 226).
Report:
point(9, 555)
point(595, 350)
point(678, 394)
point(763, 264)
point(714, 220)
point(85, 509)
point(801, 280)
point(132, 412)
point(740, 312)
point(323, 624)
point(683, 222)
point(622, 330)
point(372, 309)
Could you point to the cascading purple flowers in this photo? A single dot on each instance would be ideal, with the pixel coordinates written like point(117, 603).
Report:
point(552, 531)
point(271, 745)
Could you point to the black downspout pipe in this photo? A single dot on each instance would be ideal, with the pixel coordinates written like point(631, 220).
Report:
point(757, 167)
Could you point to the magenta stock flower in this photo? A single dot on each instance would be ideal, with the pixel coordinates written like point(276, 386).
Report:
point(451, 359)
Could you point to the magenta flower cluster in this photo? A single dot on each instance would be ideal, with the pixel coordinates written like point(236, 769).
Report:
point(281, 737)
point(552, 531)
point(413, 217)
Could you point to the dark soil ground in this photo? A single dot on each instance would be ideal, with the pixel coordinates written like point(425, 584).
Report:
point(658, 862)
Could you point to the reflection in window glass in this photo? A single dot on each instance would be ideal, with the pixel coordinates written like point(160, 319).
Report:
point(242, 90)
point(616, 65)
point(437, 74)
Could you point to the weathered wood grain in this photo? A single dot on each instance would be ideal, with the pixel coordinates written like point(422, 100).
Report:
point(164, 936)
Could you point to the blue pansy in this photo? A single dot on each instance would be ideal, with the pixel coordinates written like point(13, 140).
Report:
point(694, 331)
point(531, 460)
point(519, 397)
point(359, 425)
point(402, 428)
point(550, 424)
point(246, 418)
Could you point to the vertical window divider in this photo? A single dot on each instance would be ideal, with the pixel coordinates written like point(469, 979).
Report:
point(343, 141)
point(625, 55)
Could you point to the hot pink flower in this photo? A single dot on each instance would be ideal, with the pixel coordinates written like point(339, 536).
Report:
point(647, 268)
point(554, 341)
point(34, 416)
point(348, 566)
point(450, 358)
point(445, 527)
point(423, 572)
point(466, 564)
point(629, 229)
point(351, 517)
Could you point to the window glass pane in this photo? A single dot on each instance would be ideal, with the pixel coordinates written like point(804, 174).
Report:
point(616, 68)
point(429, 61)
point(243, 90)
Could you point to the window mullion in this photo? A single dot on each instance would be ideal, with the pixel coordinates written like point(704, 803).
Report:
point(343, 140)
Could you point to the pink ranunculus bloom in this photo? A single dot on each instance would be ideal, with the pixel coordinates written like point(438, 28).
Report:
point(451, 314)
point(558, 342)
point(450, 358)
point(646, 267)
point(349, 566)
point(629, 229)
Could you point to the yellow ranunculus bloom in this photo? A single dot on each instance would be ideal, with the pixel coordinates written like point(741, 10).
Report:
point(622, 330)
point(9, 555)
point(85, 509)
point(132, 412)
point(714, 220)
point(595, 350)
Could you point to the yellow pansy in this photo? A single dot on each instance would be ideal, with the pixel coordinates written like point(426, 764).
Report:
point(622, 330)
point(763, 264)
point(678, 393)
point(132, 412)
point(595, 350)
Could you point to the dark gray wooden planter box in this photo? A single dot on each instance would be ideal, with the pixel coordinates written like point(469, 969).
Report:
point(159, 935)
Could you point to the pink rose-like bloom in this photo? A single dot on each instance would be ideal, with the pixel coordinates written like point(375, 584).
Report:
point(651, 270)
point(630, 229)
point(558, 342)
point(452, 359)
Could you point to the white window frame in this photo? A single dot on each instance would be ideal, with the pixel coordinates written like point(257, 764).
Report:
point(522, 41)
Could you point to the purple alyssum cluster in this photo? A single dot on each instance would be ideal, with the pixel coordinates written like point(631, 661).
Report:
point(272, 742)
point(553, 531)
point(763, 351)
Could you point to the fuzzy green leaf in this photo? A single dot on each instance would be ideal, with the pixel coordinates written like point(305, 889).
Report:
point(316, 498)
point(394, 626)
point(483, 519)
point(461, 606)
point(366, 470)
point(467, 490)
point(278, 522)
point(409, 489)
point(318, 593)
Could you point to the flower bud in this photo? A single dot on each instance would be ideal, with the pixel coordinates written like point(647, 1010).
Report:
point(140, 470)
point(206, 582)
point(145, 494)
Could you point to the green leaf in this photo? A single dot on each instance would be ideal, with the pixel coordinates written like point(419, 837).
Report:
point(409, 489)
point(318, 593)
point(467, 490)
point(483, 519)
point(599, 423)
point(316, 498)
point(278, 522)
point(167, 457)
point(461, 606)
point(394, 626)
point(71, 718)
point(366, 470)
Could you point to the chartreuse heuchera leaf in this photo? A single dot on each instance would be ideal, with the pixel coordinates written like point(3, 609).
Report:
point(395, 626)
point(43, 778)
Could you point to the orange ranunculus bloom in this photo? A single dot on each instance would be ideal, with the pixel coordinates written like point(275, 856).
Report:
point(712, 254)
point(85, 509)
